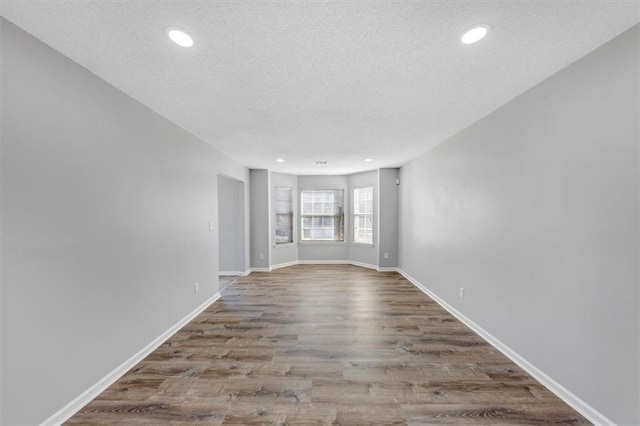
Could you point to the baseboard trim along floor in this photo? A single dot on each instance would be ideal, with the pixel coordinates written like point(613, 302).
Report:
point(324, 262)
point(87, 396)
point(560, 391)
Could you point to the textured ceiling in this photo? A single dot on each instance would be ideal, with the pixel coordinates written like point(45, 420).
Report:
point(323, 80)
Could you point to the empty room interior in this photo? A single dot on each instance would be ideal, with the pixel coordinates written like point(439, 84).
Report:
point(320, 212)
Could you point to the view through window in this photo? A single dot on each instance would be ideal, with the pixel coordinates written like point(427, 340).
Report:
point(322, 215)
point(363, 215)
point(284, 215)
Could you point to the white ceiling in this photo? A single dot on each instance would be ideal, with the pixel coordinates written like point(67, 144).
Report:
point(323, 80)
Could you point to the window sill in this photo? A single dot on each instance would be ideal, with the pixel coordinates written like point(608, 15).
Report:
point(283, 245)
point(363, 245)
point(321, 243)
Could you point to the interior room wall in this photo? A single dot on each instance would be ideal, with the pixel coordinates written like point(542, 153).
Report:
point(534, 211)
point(105, 226)
point(285, 253)
point(231, 207)
point(260, 219)
point(388, 218)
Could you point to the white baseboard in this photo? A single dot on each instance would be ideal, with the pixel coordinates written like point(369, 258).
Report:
point(560, 391)
point(87, 396)
point(324, 262)
point(337, 262)
point(234, 273)
point(364, 265)
point(260, 269)
point(230, 273)
point(284, 265)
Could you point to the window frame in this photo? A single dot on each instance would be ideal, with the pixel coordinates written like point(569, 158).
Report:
point(354, 216)
point(290, 214)
point(340, 216)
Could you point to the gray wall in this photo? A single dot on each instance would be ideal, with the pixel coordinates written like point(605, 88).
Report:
point(388, 218)
point(284, 253)
point(231, 236)
point(105, 226)
point(534, 210)
point(359, 252)
point(260, 219)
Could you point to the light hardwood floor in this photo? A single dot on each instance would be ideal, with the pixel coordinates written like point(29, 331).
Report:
point(326, 345)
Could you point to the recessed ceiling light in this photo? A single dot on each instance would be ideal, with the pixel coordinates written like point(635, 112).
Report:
point(368, 160)
point(179, 37)
point(280, 160)
point(474, 34)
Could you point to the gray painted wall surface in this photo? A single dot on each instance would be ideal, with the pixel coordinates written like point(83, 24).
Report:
point(105, 226)
point(358, 252)
point(325, 251)
point(284, 253)
point(534, 210)
point(388, 216)
point(231, 238)
point(260, 219)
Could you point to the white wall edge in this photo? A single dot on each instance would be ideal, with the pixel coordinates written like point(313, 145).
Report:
point(364, 265)
point(87, 396)
point(324, 262)
point(284, 265)
point(245, 273)
point(560, 391)
point(260, 269)
point(230, 273)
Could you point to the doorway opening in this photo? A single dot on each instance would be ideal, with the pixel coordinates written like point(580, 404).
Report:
point(231, 230)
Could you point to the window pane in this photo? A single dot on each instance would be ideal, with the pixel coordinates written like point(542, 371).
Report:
point(284, 215)
point(363, 200)
point(322, 214)
point(322, 201)
point(363, 215)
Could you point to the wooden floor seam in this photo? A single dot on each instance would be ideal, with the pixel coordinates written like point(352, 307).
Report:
point(326, 345)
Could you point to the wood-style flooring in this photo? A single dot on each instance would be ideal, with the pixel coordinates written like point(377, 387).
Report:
point(326, 344)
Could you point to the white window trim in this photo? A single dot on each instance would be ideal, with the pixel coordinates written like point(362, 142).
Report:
point(322, 243)
point(363, 244)
point(283, 245)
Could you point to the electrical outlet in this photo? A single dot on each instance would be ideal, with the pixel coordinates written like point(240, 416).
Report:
point(210, 226)
point(261, 256)
point(461, 292)
point(386, 255)
point(196, 288)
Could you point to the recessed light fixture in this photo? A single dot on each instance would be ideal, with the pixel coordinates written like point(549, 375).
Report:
point(179, 37)
point(280, 160)
point(474, 34)
point(368, 160)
